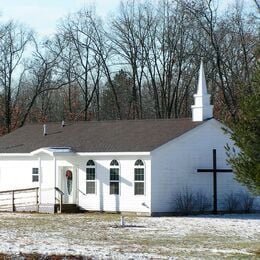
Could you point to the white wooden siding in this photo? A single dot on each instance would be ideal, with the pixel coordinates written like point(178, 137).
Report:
point(174, 167)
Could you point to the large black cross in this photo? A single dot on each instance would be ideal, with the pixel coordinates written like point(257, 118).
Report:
point(214, 170)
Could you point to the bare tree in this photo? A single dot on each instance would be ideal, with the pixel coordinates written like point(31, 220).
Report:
point(130, 30)
point(228, 46)
point(67, 64)
point(43, 76)
point(103, 48)
point(167, 48)
point(78, 31)
point(257, 3)
point(13, 42)
point(141, 63)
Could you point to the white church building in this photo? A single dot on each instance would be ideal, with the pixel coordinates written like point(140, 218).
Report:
point(134, 166)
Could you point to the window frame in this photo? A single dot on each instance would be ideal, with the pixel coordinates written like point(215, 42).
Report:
point(35, 174)
point(139, 166)
point(114, 164)
point(91, 166)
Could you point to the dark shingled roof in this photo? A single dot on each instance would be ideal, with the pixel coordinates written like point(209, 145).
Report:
point(97, 136)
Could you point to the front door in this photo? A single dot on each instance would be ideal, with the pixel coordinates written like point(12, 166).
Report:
point(69, 185)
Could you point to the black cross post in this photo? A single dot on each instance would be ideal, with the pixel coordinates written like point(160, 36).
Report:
point(214, 170)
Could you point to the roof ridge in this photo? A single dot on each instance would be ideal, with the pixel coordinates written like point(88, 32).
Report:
point(111, 121)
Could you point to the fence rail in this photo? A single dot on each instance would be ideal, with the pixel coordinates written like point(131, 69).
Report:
point(15, 200)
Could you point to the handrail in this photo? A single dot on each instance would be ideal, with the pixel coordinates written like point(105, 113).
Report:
point(60, 191)
point(28, 189)
point(61, 196)
point(82, 192)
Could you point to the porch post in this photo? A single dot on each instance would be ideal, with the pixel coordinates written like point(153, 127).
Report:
point(76, 184)
point(54, 164)
point(40, 179)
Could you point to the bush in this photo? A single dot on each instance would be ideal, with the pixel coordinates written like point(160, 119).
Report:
point(186, 202)
point(231, 202)
point(246, 201)
point(202, 202)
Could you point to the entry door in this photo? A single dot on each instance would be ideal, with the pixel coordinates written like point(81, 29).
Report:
point(69, 185)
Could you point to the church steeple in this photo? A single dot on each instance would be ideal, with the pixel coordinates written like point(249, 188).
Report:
point(201, 110)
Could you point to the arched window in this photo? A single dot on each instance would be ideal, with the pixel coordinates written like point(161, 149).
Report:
point(114, 163)
point(90, 163)
point(139, 177)
point(139, 163)
point(90, 177)
point(114, 177)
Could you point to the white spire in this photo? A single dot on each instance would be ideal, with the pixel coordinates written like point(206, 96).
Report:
point(202, 86)
point(202, 109)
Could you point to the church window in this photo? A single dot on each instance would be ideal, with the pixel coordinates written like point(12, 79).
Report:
point(90, 177)
point(114, 177)
point(35, 174)
point(139, 178)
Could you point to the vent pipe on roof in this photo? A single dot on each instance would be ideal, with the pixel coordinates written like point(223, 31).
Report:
point(44, 129)
point(62, 123)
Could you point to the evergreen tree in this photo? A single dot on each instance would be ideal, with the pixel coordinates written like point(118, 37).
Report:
point(245, 132)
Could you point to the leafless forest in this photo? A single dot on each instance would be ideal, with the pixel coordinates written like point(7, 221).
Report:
point(142, 62)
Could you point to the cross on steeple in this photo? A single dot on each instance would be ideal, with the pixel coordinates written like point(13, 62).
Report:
point(214, 170)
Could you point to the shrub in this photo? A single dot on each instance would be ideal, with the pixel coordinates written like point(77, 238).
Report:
point(246, 201)
point(184, 202)
point(231, 202)
point(187, 202)
point(202, 202)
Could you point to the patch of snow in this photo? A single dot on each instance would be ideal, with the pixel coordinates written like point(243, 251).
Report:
point(100, 236)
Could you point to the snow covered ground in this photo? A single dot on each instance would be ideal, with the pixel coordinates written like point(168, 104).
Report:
point(100, 236)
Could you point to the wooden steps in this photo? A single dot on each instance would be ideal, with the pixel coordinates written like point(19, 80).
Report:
point(67, 208)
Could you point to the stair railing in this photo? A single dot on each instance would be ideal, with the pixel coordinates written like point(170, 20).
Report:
point(60, 199)
point(82, 192)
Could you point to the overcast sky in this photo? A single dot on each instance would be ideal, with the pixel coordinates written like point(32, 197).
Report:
point(42, 15)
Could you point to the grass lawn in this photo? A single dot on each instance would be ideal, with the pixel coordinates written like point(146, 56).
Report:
point(100, 236)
